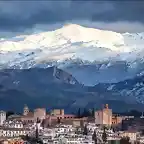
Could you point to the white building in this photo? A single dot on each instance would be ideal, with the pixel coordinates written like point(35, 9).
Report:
point(13, 124)
point(91, 127)
point(76, 140)
point(131, 134)
point(49, 133)
point(13, 132)
point(2, 117)
point(64, 129)
point(13, 128)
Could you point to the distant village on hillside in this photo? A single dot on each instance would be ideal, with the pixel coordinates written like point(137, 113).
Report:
point(94, 127)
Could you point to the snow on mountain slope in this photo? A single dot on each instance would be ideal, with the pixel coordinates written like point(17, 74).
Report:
point(130, 88)
point(66, 35)
point(104, 55)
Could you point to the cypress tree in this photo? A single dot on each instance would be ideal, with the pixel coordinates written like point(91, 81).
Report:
point(104, 136)
point(37, 130)
point(85, 132)
point(79, 113)
point(93, 111)
point(90, 112)
point(58, 120)
point(84, 112)
point(94, 137)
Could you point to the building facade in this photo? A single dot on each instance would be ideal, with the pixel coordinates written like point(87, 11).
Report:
point(104, 116)
point(40, 113)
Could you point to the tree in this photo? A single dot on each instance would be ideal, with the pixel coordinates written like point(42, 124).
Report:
point(104, 135)
point(125, 140)
point(79, 113)
point(32, 140)
point(58, 120)
point(86, 113)
point(90, 112)
point(9, 113)
point(85, 132)
point(93, 111)
point(37, 133)
point(94, 137)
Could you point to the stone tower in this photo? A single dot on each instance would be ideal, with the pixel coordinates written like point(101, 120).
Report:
point(25, 110)
point(2, 117)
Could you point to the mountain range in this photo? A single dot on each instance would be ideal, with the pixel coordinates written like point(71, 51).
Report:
point(72, 67)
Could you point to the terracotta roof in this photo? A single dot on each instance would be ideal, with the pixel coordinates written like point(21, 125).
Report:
point(131, 131)
point(30, 114)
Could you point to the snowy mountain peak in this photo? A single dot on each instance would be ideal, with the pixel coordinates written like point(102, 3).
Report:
point(72, 27)
point(111, 56)
point(68, 34)
point(77, 33)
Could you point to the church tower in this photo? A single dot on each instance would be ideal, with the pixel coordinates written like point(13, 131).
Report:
point(25, 110)
point(2, 117)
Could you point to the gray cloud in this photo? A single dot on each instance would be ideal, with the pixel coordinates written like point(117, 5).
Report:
point(28, 13)
point(112, 15)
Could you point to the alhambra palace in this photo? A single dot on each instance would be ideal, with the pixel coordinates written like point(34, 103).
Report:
point(101, 117)
point(51, 126)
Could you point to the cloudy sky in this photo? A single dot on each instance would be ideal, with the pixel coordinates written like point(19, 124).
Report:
point(26, 15)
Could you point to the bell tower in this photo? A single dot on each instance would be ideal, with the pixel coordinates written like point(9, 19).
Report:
point(25, 110)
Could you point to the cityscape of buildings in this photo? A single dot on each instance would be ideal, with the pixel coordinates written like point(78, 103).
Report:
point(56, 127)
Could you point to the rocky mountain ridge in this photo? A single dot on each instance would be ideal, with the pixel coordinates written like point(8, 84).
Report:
point(39, 87)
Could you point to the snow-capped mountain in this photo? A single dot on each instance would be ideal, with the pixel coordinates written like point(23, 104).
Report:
point(104, 55)
point(73, 66)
